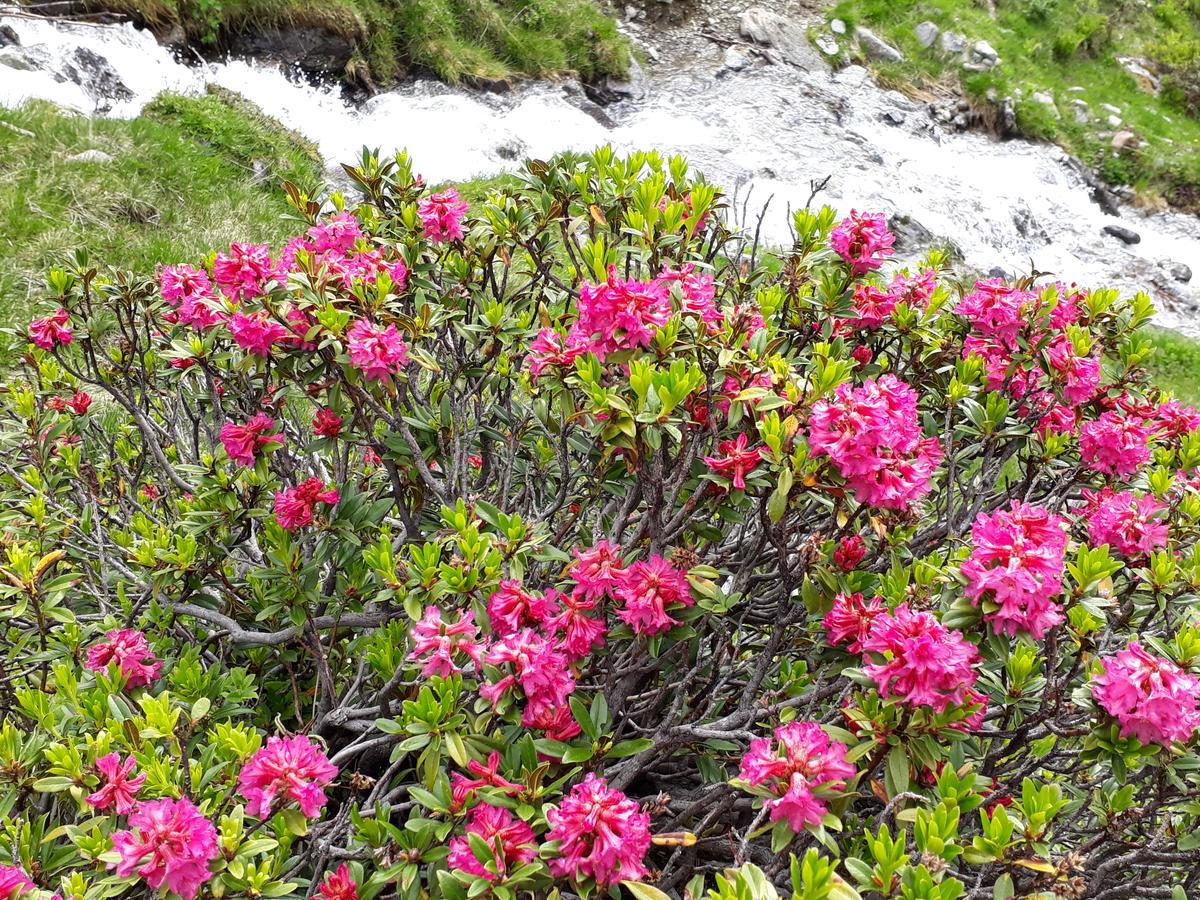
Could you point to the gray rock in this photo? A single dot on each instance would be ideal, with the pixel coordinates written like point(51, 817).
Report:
point(1122, 234)
point(983, 50)
point(633, 85)
point(894, 117)
point(1081, 111)
point(1109, 108)
point(9, 37)
point(735, 60)
point(854, 75)
point(90, 156)
point(997, 272)
point(512, 149)
point(1046, 100)
point(1114, 121)
point(785, 37)
point(837, 26)
point(1181, 272)
point(95, 74)
point(876, 48)
point(952, 43)
point(927, 33)
point(827, 45)
point(914, 238)
point(15, 58)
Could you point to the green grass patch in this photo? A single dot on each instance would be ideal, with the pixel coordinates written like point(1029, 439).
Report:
point(1054, 46)
point(1176, 364)
point(189, 175)
point(458, 40)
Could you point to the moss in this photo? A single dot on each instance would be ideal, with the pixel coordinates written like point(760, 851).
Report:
point(181, 181)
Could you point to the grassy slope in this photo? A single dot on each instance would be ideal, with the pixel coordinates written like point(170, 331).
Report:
point(1054, 45)
point(455, 39)
point(180, 183)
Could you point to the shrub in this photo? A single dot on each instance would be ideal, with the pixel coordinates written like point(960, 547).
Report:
point(569, 544)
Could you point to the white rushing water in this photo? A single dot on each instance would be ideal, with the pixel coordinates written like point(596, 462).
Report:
point(767, 131)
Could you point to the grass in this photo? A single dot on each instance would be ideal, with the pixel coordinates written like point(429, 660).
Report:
point(1175, 365)
point(457, 40)
point(1053, 46)
point(182, 181)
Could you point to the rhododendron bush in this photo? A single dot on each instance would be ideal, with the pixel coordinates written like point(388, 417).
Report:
point(569, 544)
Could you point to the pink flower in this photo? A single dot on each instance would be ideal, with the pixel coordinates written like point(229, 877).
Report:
point(1115, 444)
point(734, 461)
point(294, 768)
point(539, 668)
point(872, 305)
point(242, 272)
point(52, 330)
point(1173, 419)
point(338, 886)
point(14, 883)
point(862, 240)
point(436, 641)
point(923, 663)
point(849, 553)
point(558, 724)
point(243, 442)
point(849, 621)
point(913, 290)
point(1081, 374)
point(621, 314)
point(167, 842)
point(327, 423)
point(256, 333)
point(510, 839)
point(801, 760)
point(602, 834)
point(128, 649)
point(997, 310)
point(80, 403)
point(462, 788)
point(119, 789)
point(1153, 699)
point(578, 633)
point(376, 352)
point(1016, 564)
point(646, 589)
point(442, 215)
point(1129, 523)
point(698, 292)
point(550, 348)
point(183, 282)
point(294, 506)
point(596, 570)
point(511, 608)
point(337, 233)
point(873, 435)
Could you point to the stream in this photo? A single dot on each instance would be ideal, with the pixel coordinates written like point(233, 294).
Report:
point(764, 131)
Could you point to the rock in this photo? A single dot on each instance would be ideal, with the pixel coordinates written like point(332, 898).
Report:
point(1125, 140)
point(910, 235)
point(927, 33)
point(982, 50)
point(893, 117)
point(1081, 110)
point(15, 58)
point(1006, 123)
point(9, 37)
point(1181, 272)
point(1076, 89)
point(837, 26)
point(90, 156)
point(953, 43)
point(1109, 108)
point(511, 149)
point(95, 74)
point(1047, 100)
point(827, 45)
point(1113, 121)
point(854, 75)
point(1139, 68)
point(783, 35)
point(997, 272)
point(735, 59)
point(876, 48)
point(312, 49)
point(633, 85)
point(1122, 234)
point(1100, 192)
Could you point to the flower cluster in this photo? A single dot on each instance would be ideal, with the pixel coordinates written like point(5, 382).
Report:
point(130, 652)
point(442, 216)
point(849, 620)
point(1132, 524)
point(511, 840)
point(120, 786)
point(803, 768)
point(873, 435)
point(292, 768)
point(862, 240)
point(1016, 564)
point(436, 641)
point(243, 443)
point(602, 834)
point(1115, 443)
point(169, 843)
point(921, 662)
point(1151, 698)
point(294, 506)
